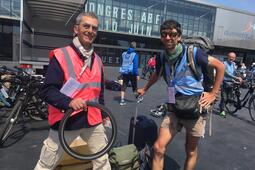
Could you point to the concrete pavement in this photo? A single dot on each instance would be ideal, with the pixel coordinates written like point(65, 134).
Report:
point(231, 146)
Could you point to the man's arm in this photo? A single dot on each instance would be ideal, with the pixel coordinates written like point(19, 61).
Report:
point(208, 98)
point(228, 74)
point(220, 68)
point(232, 76)
point(53, 82)
point(135, 65)
point(153, 79)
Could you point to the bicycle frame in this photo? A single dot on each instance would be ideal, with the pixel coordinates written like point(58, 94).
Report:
point(241, 102)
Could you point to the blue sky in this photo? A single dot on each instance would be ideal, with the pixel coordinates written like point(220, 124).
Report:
point(245, 5)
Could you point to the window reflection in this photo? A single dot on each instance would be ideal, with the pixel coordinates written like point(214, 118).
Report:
point(145, 16)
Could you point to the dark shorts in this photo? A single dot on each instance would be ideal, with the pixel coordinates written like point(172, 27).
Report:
point(129, 78)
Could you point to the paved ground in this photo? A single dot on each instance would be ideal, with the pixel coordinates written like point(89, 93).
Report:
point(231, 147)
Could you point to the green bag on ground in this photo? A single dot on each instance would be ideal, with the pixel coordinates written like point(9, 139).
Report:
point(124, 158)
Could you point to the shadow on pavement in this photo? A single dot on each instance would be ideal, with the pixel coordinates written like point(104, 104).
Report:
point(235, 115)
point(15, 136)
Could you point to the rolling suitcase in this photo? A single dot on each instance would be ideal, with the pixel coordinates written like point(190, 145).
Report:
point(142, 130)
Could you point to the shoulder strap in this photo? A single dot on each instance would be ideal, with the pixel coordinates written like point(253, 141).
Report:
point(191, 63)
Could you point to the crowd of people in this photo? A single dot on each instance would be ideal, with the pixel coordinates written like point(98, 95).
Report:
point(78, 63)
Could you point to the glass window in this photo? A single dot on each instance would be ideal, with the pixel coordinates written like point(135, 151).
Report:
point(7, 29)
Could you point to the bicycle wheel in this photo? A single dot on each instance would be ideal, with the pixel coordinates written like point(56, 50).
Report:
point(231, 104)
point(252, 108)
point(11, 120)
point(93, 156)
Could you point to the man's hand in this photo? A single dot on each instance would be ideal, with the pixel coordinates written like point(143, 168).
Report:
point(137, 77)
point(240, 80)
point(207, 99)
point(78, 104)
point(141, 91)
point(107, 122)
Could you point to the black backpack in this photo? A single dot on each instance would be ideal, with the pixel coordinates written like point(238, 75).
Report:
point(207, 45)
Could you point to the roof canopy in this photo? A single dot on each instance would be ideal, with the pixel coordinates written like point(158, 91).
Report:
point(59, 10)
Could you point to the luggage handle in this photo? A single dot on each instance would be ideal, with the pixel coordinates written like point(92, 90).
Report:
point(139, 100)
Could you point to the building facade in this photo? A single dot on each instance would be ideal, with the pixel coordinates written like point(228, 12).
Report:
point(30, 29)
point(9, 30)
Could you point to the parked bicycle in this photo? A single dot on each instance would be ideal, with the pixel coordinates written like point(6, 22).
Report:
point(236, 102)
point(27, 103)
point(146, 72)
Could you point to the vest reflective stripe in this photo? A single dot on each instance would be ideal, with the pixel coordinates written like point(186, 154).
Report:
point(90, 87)
point(184, 81)
point(69, 63)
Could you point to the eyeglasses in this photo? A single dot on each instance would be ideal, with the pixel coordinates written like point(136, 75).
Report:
point(171, 34)
point(87, 26)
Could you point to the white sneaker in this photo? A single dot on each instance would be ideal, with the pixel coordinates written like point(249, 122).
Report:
point(122, 102)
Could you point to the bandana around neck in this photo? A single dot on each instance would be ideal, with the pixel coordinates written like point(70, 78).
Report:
point(172, 58)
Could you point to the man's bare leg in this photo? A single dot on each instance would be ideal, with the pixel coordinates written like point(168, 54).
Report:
point(191, 152)
point(165, 136)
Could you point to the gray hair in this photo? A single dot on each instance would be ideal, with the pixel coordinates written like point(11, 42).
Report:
point(82, 14)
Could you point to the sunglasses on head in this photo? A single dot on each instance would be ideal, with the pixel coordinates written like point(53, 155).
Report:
point(171, 34)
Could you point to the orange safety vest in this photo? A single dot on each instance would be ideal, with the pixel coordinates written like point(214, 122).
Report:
point(90, 80)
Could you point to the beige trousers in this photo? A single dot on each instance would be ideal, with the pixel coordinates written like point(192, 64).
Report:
point(52, 152)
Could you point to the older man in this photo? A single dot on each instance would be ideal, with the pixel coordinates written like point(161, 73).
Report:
point(77, 63)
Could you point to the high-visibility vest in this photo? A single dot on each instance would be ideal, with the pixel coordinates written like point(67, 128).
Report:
point(183, 79)
point(127, 62)
point(90, 83)
point(230, 67)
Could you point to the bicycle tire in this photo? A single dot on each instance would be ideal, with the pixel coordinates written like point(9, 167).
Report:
point(231, 104)
point(252, 107)
point(79, 156)
point(11, 120)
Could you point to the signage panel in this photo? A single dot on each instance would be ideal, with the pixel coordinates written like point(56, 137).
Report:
point(234, 29)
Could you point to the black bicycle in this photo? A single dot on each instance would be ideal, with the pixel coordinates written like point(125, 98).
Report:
point(90, 156)
point(147, 72)
point(235, 102)
point(27, 103)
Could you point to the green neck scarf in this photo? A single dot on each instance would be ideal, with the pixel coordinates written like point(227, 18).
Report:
point(172, 58)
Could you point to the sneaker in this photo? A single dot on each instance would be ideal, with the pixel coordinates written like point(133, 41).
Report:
point(223, 114)
point(122, 102)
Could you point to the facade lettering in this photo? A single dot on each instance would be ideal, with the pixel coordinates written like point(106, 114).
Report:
point(143, 27)
point(115, 12)
point(110, 60)
point(130, 15)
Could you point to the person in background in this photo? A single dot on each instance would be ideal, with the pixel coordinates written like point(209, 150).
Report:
point(180, 80)
point(76, 63)
point(229, 79)
point(242, 70)
point(129, 71)
point(150, 67)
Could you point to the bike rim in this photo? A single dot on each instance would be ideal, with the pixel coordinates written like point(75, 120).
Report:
point(93, 156)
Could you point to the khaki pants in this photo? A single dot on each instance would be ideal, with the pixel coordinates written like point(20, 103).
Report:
point(52, 152)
